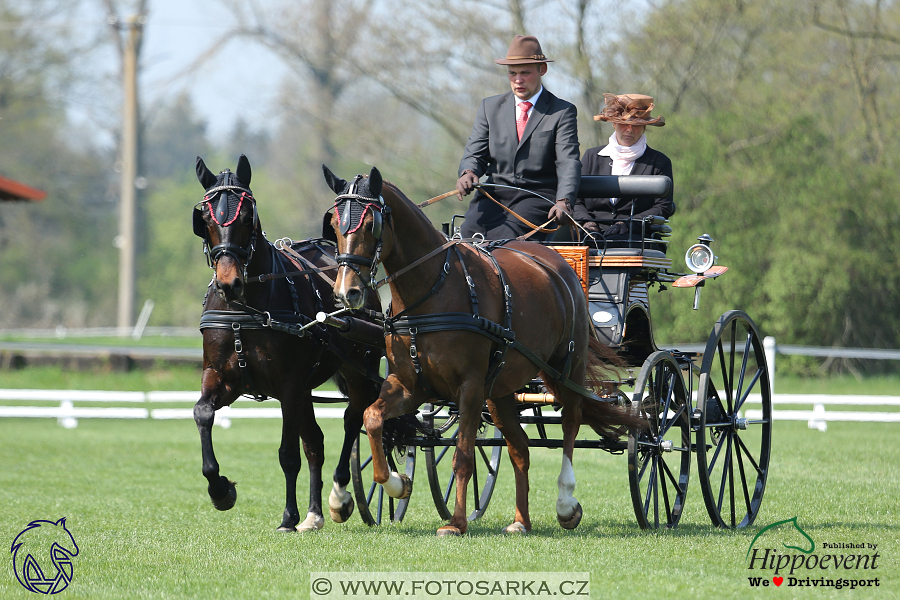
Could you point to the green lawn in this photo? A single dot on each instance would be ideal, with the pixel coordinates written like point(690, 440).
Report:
point(135, 501)
point(182, 377)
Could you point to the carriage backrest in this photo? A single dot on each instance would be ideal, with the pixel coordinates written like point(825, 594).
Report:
point(624, 186)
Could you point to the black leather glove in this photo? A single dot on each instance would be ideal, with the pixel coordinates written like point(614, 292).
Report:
point(619, 228)
point(465, 184)
point(561, 212)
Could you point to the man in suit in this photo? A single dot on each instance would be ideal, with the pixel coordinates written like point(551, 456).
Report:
point(526, 138)
point(627, 153)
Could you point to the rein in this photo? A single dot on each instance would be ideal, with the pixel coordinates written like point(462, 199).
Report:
point(535, 228)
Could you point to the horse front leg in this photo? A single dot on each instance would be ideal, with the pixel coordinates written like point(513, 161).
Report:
point(470, 407)
point(221, 490)
point(568, 509)
point(393, 401)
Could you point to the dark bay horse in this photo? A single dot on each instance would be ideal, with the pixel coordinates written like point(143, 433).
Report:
point(252, 344)
point(469, 326)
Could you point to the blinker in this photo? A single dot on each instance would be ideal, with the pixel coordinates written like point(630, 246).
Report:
point(377, 220)
point(222, 208)
point(199, 224)
point(345, 219)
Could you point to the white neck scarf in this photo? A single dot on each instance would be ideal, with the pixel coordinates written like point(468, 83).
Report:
point(623, 157)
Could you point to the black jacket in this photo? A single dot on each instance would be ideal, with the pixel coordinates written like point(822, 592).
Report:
point(652, 162)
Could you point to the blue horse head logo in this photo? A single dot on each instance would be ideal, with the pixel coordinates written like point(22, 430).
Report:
point(42, 556)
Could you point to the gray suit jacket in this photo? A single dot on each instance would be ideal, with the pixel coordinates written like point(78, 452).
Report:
point(546, 161)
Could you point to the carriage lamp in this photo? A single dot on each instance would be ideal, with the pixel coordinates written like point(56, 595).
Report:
point(700, 257)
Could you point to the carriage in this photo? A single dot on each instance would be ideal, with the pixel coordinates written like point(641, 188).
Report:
point(263, 340)
point(693, 401)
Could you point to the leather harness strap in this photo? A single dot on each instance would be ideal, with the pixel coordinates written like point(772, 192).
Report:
point(502, 335)
point(290, 322)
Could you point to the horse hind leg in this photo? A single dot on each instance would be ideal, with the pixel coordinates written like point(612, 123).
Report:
point(568, 509)
point(298, 422)
point(506, 418)
point(340, 500)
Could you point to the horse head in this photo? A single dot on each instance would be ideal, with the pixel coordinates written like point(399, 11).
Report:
point(40, 547)
point(361, 223)
point(228, 222)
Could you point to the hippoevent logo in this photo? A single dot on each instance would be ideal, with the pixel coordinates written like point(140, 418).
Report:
point(837, 564)
point(42, 556)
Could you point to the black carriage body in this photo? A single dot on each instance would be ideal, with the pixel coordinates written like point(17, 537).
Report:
point(619, 302)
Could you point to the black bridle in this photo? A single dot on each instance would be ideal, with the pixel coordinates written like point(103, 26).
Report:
point(219, 215)
point(351, 208)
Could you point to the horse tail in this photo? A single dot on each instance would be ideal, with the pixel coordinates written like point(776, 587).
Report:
point(606, 419)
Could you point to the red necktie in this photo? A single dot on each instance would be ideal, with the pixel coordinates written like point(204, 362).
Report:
point(522, 118)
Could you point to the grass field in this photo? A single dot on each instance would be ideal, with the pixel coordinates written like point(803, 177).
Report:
point(135, 501)
point(182, 377)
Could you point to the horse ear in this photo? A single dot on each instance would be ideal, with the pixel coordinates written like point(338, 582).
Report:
point(375, 182)
point(336, 184)
point(243, 170)
point(207, 179)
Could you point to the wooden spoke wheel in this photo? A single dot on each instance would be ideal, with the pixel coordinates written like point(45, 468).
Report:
point(659, 457)
point(733, 450)
point(372, 502)
point(439, 465)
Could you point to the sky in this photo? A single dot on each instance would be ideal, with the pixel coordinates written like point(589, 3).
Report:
point(241, 80)
point(178, 32)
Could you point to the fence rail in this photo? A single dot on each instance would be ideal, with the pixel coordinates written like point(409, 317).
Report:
point(140, 405)
point(67, 414)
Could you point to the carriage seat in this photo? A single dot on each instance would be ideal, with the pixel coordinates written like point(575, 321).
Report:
point(646, 258)
point(646, 251)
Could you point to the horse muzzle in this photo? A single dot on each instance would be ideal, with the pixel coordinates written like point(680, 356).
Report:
point(353, 297)
point(229, 283)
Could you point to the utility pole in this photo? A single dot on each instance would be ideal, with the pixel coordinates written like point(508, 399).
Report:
point(129, 50)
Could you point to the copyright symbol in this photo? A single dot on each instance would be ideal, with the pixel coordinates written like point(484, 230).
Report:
point(321, 586)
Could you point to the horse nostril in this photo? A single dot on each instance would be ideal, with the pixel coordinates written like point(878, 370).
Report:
point(354, 298)
point(231, 291)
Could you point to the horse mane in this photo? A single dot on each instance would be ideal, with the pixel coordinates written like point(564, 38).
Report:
point(414, 210)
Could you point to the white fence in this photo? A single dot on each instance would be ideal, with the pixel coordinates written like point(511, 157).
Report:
point(141, 405)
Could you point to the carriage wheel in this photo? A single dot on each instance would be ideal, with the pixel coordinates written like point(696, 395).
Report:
point(371, 499)
point(659, 457)
point(441, 475)
point(733, 451)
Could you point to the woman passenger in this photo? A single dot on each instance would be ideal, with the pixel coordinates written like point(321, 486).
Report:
point(627, 153)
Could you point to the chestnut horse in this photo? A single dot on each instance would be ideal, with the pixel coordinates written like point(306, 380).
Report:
point(255, 342)
point(469, 326)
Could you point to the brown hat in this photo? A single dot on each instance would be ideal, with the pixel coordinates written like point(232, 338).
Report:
point(524, 49)
point(629, 109)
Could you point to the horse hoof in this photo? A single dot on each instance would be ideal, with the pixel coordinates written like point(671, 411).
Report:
point(286, 529)
point(228, 499)
point(515, 529)
point(407, 487)
point(313, 522)
point(572, 521)
point(342, 514)
point(449, 531)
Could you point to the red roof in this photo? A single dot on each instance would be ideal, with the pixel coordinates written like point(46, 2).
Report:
point(13, 190)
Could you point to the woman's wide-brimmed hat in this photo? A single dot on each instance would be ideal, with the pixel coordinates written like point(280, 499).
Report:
point(523, 50)
point(629, 109)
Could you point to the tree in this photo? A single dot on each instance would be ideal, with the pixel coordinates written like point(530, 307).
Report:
point(55, 254)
